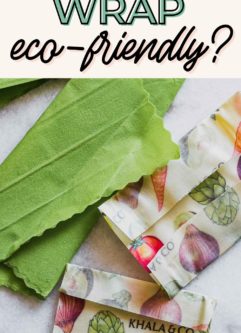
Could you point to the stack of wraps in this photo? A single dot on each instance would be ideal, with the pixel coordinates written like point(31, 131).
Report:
point(175, 223)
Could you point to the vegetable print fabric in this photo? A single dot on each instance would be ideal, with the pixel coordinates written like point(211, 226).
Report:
point(75, 315)
point(203, 224)
point(137, 297)
point(199, 242)
point(138, 206)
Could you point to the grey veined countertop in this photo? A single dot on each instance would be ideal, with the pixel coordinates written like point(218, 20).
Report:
point(222, 280)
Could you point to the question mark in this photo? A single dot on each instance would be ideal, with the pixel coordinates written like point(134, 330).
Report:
point(225, 42)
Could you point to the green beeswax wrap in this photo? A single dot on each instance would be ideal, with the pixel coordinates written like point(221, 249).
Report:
point(84, 143)
point(14, 88)
point(162, 92)
point(9, 280)
point(41, 262)
point(38, 263)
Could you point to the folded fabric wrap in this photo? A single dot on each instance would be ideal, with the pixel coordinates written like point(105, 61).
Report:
point(204, 222)
point(112, 291)
point(198, 242)
point(11, 89)
point(202, 151)
point(63, 153)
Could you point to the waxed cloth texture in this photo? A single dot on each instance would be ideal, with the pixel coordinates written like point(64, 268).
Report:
point(48, 146)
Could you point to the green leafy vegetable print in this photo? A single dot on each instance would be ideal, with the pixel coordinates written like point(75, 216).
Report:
point(210, 189)
point(106, 322)
point(224, 210)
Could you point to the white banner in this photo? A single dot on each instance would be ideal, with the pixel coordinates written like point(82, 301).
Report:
point(120, 38)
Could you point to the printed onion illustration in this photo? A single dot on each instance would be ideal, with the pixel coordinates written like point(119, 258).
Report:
point(144, 249)
point(161, 307)
point(197, 250)
point(239, 167)
point(129, 195)
point(68, 311)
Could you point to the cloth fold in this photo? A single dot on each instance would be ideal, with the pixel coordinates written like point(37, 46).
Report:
point(138, 297)
point(41, 261)
point(204, 223)
point(199, 242)
point(201, 155)
point(11, 89)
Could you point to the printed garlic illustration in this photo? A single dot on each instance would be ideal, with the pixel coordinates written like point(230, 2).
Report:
point(159, 181)
point(68, 311)
point(197, 249)
point(161, 307)
point(81, 281)
point(194, 144)
point(129, 195)
point(183, 144)
point(119, 299)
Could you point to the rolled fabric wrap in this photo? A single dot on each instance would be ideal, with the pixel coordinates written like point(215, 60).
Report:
point(138, 297)
point(213, 142)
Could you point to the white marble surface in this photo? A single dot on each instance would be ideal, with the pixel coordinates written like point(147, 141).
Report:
point(222, 280)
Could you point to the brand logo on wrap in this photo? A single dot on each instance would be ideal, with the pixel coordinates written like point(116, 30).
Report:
point(154, 326)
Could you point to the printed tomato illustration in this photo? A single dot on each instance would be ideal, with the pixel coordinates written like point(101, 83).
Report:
point(144, 249)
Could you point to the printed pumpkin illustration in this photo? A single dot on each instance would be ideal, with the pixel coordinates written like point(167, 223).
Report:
point(129, 195)
point(161, 307)
point(159, 182)
point(197, 250)
point(68, 311)
point(144, 249)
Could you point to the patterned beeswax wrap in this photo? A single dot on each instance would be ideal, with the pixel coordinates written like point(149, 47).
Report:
point(204, 222)
point(96, 298)
point(213, 142)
